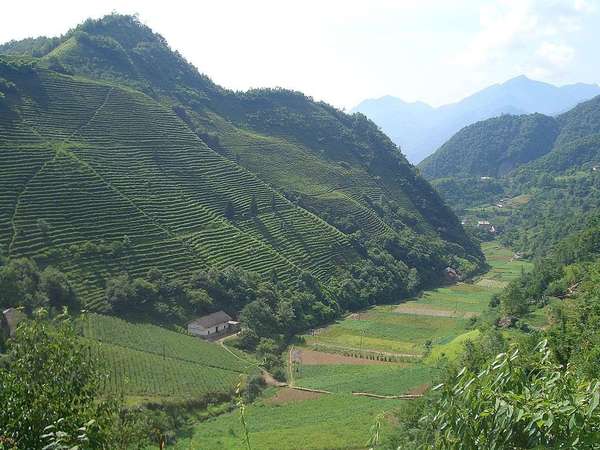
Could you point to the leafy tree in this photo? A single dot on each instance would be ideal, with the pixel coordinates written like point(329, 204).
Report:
point(20, 285)
point(516, 403)
point(57, 288)
point(51, 392)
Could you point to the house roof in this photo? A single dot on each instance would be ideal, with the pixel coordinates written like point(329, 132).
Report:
point(211, 320)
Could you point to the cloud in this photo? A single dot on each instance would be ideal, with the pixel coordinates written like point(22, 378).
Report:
point(532, 33)
point(554, 54)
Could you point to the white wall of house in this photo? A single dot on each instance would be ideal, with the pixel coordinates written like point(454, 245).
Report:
point(201, 331)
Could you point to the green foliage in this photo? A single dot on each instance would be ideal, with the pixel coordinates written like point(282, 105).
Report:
point(62, 413)
point(492, 147)
point(23, 285)
point(516, 402)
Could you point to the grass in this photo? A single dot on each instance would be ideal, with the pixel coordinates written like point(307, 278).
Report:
point(383, 379)
point(329, 422)
point(340, 420)
point(146, 362)
point(382, 328)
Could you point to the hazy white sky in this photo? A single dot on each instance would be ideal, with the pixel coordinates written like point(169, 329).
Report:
point(348, 50)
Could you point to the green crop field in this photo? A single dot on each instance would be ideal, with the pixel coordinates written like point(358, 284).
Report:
point(149, 361)
point(382, 379)
point(294, 425)
point(439, 315)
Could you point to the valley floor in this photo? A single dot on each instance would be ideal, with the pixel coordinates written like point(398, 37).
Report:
point(388, 350)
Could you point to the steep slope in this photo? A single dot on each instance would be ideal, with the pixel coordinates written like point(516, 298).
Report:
point(420, 129)
point(339, 167)
point(103, 179)
point(493, 147)
point(104, 166)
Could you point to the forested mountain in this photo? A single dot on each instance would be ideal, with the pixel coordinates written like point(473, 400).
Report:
point(497, 146)
point(550, 165)
point(119, 157)
point(419, 129)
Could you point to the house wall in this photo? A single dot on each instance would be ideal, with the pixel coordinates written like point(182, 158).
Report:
point(200, 331)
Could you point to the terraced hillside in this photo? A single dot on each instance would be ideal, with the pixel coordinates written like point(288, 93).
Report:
point(105, 165)
point(150, 362)
point(340, 167)
point(119, 157)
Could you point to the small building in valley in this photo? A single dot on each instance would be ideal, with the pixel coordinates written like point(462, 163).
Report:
point(487, 226)
point(217, 323)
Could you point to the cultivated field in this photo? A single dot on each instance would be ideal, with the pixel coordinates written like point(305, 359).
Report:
point(147, 361)
point(368, 352)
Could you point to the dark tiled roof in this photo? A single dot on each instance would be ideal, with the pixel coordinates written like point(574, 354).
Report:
point(212, 320)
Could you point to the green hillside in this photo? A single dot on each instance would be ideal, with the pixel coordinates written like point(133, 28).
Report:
point(149, 361)
point(496, 147)
point(555, 182)
point(493, 147)
point(341, 167)
point(155, 166)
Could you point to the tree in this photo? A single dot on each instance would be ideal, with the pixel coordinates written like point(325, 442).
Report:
point(119, 293)
point(44, 227)
point(515, 402)
point(20, 285)
point(51, 391)
point(253, 207)
point(57, 288)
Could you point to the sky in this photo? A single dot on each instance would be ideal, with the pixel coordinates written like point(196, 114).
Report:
point(345, 51)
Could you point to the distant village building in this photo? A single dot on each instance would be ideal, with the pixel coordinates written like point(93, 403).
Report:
point(217, 323)
point(485, 178)
point(485, 225)
point(451, 274)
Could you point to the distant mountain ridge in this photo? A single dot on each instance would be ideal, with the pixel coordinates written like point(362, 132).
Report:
point(419, 129)
point(496, 147)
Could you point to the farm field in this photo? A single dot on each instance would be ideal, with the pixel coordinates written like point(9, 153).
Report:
point(382, 379)
point(149, 362)
point(299, 420)
point(439, 316)
point(305, 424)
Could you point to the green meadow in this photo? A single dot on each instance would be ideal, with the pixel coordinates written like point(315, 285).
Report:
point(382, 379)
point(294, 425)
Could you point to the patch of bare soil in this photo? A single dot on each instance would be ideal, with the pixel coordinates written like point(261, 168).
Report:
point(406, 308)
point(286, 395)
point(312, 357)
point(270, 381)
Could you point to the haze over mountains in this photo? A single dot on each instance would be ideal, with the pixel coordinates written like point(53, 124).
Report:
point(419, 129)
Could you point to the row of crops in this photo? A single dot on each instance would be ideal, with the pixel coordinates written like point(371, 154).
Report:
point(144, 359)
point(157, 340)
point(105, 164)
point(136, 373)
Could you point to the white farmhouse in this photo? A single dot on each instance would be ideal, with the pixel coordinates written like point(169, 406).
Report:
point(215, 323)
